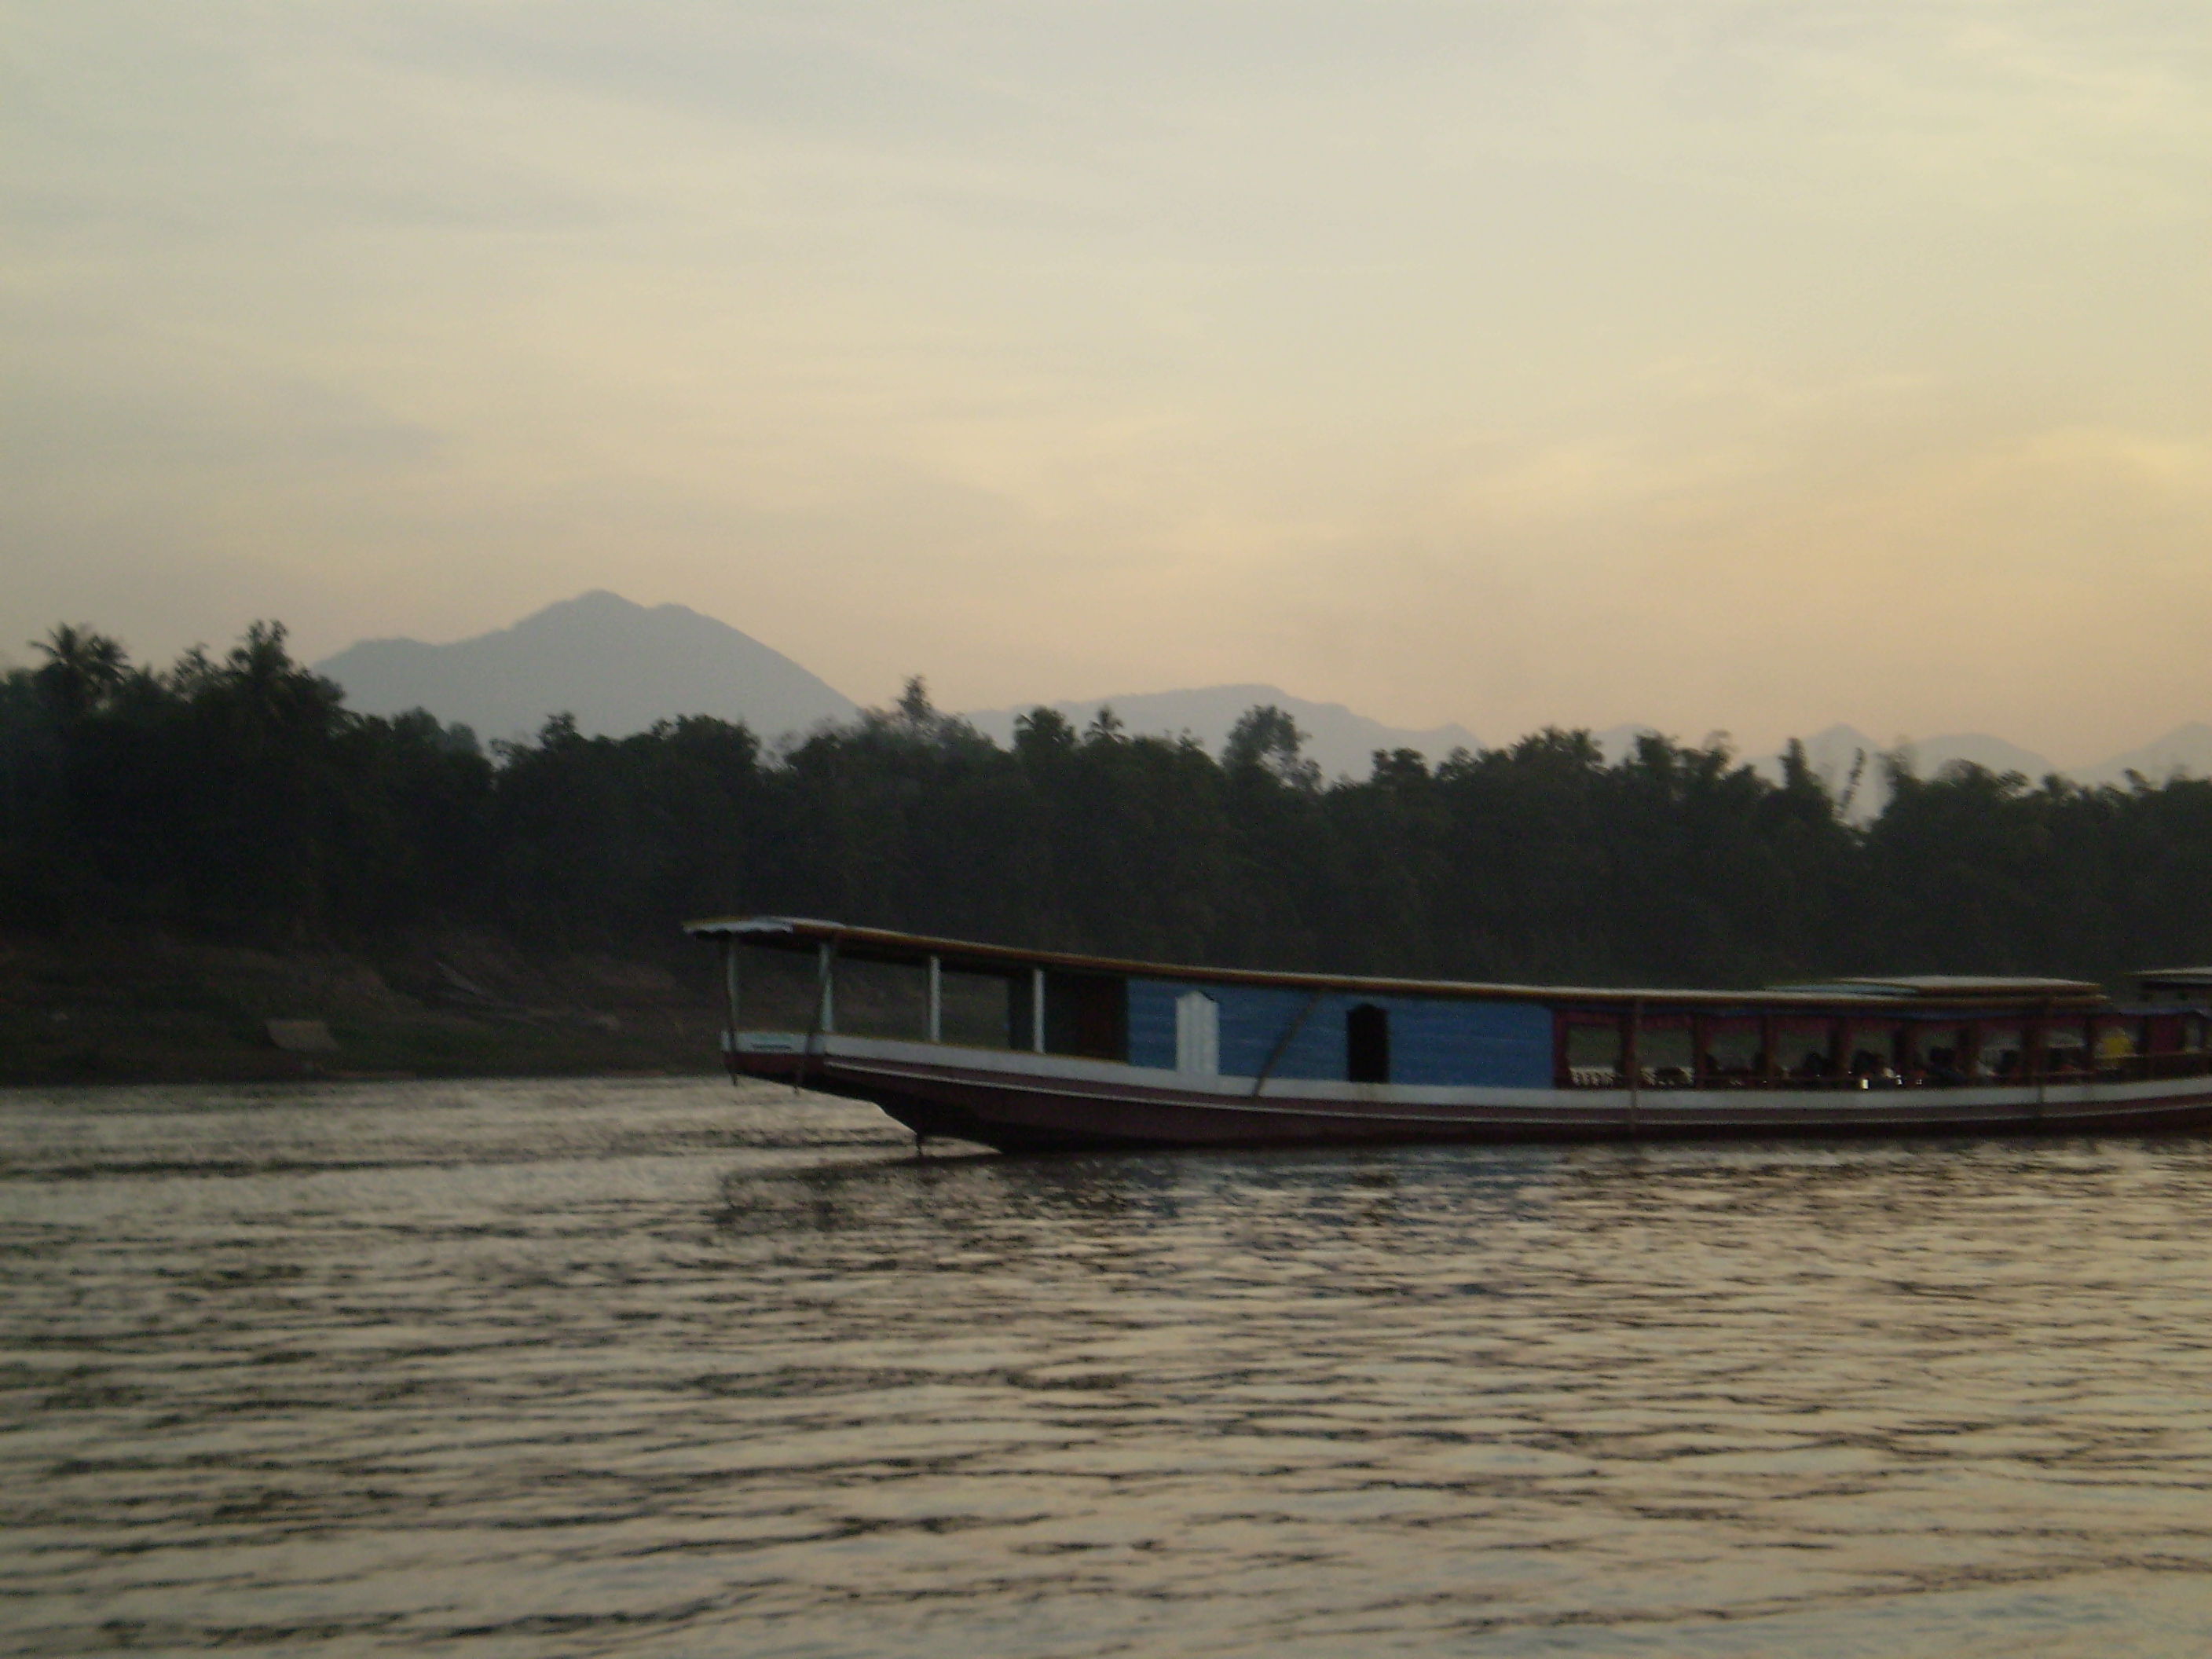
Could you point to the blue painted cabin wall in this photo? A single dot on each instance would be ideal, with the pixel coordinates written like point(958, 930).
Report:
point(1433, 1040)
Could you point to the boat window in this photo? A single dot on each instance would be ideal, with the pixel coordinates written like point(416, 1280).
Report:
point(1804, 1049)
point(1086, 1014)
point(2066, 1048)
point(1367, 1044)
point(976, 1009)
point(882, 998)
point(1667, 1049)
point(1594, 1055)
point(2000, 1054)
point(1932, 1054)
point(777, 990)
point(2119, 1039)
point(1732, 1052)
point(1874, 1051)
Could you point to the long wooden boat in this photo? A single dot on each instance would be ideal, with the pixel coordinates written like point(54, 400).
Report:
point(1040, 1049)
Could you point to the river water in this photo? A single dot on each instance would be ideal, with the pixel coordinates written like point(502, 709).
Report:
point(664, 1368)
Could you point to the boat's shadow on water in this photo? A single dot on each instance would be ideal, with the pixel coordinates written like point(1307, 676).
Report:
point(1843, 1181)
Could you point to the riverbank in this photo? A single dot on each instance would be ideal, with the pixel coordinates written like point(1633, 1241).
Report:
point(151, 1009)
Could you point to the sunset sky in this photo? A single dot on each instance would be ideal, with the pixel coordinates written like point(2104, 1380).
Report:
point(1722, 366)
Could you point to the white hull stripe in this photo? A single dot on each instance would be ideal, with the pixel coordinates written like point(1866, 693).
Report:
point(892, 1063)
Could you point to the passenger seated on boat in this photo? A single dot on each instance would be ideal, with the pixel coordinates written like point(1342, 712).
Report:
point(1815, 1065)
point(1943, 1066)
point(1668, 1077)
point(2116, 1047)
point(1731, 1058)
point(1874, 1068)
point(2066, 1053)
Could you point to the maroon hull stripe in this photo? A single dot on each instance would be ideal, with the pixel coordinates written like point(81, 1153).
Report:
point(1017, 1113)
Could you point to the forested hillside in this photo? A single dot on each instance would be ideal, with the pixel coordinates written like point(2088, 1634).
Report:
point(236, 799)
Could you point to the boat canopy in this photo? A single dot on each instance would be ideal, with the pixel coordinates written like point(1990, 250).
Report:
point(2159, 985)
point(1950, 987)
point(1889, 994)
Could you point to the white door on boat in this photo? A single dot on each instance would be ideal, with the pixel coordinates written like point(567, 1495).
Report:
point(1198, 1033)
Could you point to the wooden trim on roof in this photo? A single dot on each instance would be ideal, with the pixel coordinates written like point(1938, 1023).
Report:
point(2026, 996)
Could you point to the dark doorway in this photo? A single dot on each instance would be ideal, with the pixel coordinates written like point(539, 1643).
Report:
point(1086, 1014)
point(1367, 1044)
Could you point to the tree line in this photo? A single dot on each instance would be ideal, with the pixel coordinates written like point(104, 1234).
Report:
point(236, 797)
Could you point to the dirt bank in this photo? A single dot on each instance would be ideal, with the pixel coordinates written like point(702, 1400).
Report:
point(151, 1009)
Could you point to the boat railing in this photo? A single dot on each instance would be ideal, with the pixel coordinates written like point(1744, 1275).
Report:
point(2129, 1068)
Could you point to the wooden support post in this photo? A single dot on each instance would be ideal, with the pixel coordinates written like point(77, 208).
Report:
point(1631, 1059)
point(2032, 1054)
point(824, 1012)
point(936, 1001)
point(729, 994)
point(1037, 1011)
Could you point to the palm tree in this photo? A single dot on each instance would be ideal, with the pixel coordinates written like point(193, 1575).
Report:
point(82, 668)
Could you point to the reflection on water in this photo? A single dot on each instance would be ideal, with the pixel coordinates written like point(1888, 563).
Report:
point(667, 1369)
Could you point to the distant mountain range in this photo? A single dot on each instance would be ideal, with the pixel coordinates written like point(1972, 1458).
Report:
point(2185, 749)
point(1341, 741)
point(1834, 752)
point(618, 667)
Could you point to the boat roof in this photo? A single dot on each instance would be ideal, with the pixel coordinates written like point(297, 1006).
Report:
point(1951, 985)
point(2175, 976)
point(1921, 993)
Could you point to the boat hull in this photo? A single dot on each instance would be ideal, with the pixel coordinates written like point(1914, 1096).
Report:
point(1032, 1102)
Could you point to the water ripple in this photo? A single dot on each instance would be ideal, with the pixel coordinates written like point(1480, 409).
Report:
point(664, 1368)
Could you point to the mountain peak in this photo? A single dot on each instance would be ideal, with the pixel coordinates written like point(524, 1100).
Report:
point(616, 666)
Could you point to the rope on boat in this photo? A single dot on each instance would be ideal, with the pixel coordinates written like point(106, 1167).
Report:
point(1283, 1043)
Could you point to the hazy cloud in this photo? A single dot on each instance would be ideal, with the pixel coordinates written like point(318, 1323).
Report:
point(1713, 364)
